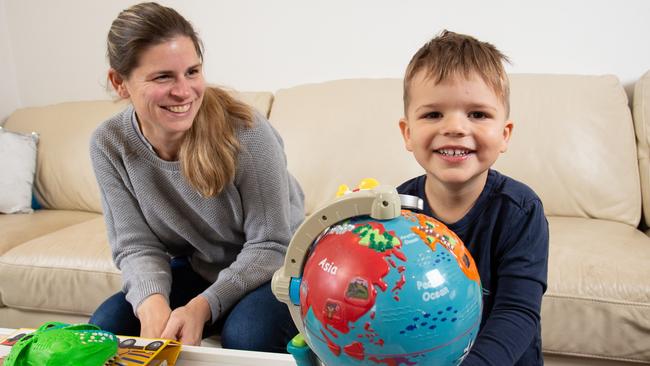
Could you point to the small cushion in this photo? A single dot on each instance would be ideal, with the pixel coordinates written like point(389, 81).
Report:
point(18, 165)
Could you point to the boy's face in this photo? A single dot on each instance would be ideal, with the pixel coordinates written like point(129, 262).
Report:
point(456, 129)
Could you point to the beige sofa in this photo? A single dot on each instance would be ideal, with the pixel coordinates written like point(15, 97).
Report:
point(575, 142)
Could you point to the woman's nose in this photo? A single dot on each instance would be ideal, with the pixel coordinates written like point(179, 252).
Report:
point(181, 88)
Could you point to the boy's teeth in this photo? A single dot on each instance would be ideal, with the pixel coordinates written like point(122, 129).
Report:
point(178, 108)
point(453, 152)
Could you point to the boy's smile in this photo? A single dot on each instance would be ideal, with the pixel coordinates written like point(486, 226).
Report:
point(456, 129)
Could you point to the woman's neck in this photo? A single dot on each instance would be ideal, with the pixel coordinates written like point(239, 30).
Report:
point(165, 146)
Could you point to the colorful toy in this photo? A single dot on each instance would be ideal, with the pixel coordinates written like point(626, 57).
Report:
point(368, 283)
point(55, 344)
point(365, 184)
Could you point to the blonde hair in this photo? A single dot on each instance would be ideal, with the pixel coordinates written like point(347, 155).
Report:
point(208, 153)
point(451, 54)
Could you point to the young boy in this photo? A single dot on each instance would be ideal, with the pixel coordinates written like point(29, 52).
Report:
point(456, 124)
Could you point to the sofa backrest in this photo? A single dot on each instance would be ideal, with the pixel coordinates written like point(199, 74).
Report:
point(340, 132)
point(64, 175)
point(574, 144)
point(573, 141)
point(641, 109)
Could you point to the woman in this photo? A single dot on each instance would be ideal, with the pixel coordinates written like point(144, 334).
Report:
point(197, 199)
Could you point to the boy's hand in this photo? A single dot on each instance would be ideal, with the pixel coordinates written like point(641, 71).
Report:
point(186, 323)
point(153, 313)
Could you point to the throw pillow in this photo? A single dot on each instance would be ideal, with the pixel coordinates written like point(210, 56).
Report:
point(17, 168)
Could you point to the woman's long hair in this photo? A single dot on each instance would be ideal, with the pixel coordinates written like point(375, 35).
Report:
point(208, 153)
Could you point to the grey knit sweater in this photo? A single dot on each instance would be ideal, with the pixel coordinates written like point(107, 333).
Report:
point(235, 240)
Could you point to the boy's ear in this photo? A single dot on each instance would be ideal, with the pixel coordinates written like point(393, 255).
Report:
point(118, 83)
point(406, 133)
point(507, 133)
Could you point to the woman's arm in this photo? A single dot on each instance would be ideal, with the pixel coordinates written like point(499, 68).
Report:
point(137, 252)
point(272, 204)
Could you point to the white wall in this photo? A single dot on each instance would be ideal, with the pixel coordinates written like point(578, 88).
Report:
point(8, 89)
point(58, 47)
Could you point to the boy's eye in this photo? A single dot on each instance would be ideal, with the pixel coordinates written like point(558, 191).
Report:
point(477, 115)
point(432, 115)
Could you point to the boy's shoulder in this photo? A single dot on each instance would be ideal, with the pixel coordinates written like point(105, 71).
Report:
point(413, 186)
point(512, 191)
point(498, 187)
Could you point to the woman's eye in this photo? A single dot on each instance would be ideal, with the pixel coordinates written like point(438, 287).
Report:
point(477, 115)
point(194, 72)
point(161, 78)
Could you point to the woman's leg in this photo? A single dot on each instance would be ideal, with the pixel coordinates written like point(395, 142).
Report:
point(258, 322)
point(186, 284)
point(116, 314)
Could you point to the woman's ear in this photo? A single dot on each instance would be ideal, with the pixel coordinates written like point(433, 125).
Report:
point(119, 84)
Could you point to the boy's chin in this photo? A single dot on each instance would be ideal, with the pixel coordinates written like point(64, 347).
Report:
point(457, 179)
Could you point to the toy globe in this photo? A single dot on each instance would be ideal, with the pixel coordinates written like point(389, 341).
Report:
point(399, 288)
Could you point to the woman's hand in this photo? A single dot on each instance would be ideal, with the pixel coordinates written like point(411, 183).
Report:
point(186, 323)
point(153, 313)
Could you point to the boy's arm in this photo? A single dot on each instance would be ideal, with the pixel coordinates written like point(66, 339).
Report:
point(521, 281)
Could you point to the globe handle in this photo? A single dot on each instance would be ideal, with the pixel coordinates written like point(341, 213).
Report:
point(381, 203)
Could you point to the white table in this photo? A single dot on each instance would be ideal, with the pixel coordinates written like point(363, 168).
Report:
point(204, 356)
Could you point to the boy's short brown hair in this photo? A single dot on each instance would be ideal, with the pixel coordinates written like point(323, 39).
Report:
point(453, 54)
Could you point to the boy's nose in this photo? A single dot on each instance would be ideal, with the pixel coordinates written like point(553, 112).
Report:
point(454, 125)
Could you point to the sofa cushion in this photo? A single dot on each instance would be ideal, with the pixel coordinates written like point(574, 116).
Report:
point(258, 100)
point(17, 168)
point(361, 137)
point(641, 110)
point(18, 318)
point(64, 175)
point(598, 297)
point(17, 229)
point(573, 143)
point(553, 114)
point(67, 271)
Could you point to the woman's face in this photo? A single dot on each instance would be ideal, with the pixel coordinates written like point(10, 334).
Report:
point(166, 88)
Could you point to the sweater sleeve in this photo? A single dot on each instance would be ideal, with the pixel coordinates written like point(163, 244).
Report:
point(522, 271)
point(136, 250)
point(272, 205)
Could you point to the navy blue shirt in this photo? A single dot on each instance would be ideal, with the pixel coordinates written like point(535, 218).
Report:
point(507, 234)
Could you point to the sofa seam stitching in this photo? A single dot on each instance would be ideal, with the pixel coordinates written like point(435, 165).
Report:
point(598, 300)
point(4, 263)
point(593, 355)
